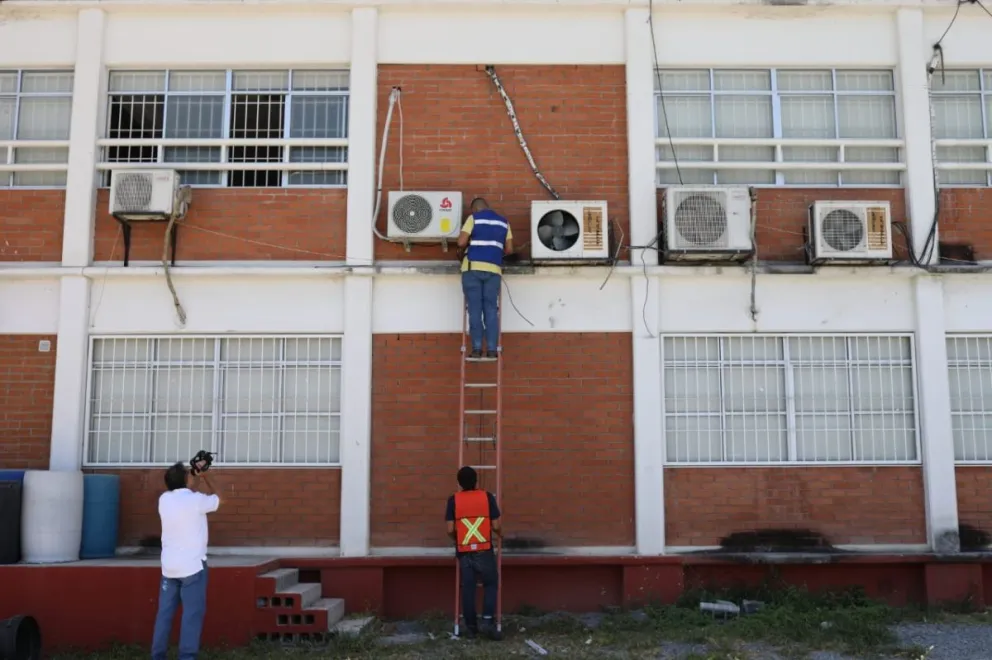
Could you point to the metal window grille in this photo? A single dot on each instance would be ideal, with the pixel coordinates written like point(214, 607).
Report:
point(778, 127)
point(231, 128)
point(253, 400)
point(969, 364)
point(35, 112)
point(962, 107)
point(759, 399)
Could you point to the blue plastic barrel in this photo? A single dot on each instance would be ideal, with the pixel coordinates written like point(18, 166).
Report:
point(101, 509)
point(12, 475)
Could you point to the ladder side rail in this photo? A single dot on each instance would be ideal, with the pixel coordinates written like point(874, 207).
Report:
point(499, 459)
point(461, 457)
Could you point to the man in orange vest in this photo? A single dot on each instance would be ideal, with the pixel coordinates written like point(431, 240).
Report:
point(473, 517)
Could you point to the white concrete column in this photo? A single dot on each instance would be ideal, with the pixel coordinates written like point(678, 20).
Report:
point(641, 170)
point(68, 423)
point(80, 190)
point(939, 481)
point(914, 97)
point(649, 485)
point(356, 424)
point(362, 134)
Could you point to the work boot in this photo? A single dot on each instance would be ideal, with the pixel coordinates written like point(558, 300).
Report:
point(476, 353)
point(490, 631)
point(467, 632)
point(492, 355)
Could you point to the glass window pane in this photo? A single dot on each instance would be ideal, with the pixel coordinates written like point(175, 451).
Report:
point(824, 437)
point(865, 81)
point(684, 81)
point(809, 117)
point(197, 81)
point(319, 117)
point(693, 439)
point(742, 116)
point(742, 81)
point(687, 116)
point(957, 117)
point(804, 81)
point(8, 82)
point(312, 439)
point(249, 440)
point(260, 81)
point(46, 82)
point(7, 106)
point(320, 81)
point(194, 117)
point(692, 390)
point(179, 437)
point(38, 156)
point(757, 438)
point(44, 118)
point(956, 81)
point(137, 81)
point(869, 117)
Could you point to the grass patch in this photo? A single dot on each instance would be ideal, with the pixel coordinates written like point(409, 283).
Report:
point(792, 621)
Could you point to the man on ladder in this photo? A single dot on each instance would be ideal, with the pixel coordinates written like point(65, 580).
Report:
point(473, 517)
point(484, 239)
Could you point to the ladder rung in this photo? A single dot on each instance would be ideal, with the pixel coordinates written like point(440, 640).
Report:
point(480, 412)
point(480, 439)
point(483, 467)
point(480, 385)
point(480, 359)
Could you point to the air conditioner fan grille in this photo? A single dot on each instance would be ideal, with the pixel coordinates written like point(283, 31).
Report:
point(701, 220)
point(842, 230)
point(412, 214)
point(133, 192)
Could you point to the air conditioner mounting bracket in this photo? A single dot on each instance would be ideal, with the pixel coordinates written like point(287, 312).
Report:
point(126, 231)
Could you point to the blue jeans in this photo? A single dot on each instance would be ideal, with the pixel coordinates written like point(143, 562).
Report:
point(478, 567)
point(192, 592)
point(481, 291)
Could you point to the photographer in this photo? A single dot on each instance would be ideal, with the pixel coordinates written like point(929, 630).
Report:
point(184, 555)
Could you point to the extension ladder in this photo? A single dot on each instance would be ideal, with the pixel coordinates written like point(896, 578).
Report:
point(480, 423)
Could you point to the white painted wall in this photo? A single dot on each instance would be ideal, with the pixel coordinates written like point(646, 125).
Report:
point(33, 39)
point(29, 306)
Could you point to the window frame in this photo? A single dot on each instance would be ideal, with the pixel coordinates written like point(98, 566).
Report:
point(967, 364)
point(777, 142)
point(216, 409)
point(788, 403)
point(225, 142)
point(984, 94)
point(8, 148)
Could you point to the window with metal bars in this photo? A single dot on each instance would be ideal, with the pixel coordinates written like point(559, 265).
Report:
point(253, 400)
point(35, 112)
point(777, 127)
point(231, 128)
point(789, 398)
point(962, 107)
point(969, 364)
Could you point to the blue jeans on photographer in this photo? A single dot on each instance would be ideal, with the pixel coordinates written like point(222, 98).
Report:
point(192, 593)
point(481, 289)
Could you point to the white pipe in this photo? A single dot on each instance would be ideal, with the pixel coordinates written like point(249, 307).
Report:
point(394, 95)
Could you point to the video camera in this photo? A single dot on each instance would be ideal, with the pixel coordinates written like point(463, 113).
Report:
point(201, 462)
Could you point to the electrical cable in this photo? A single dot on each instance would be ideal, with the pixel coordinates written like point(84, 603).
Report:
point(491, 72)
point(513, 304)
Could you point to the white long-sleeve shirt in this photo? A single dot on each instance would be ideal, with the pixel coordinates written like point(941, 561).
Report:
point(184, 530)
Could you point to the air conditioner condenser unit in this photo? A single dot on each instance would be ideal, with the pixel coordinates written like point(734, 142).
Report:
point(850, 232)
point(569, 232)
point(707, 223)
point(424, 216)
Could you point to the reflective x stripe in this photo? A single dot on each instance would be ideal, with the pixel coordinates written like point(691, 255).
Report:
point(473, 530)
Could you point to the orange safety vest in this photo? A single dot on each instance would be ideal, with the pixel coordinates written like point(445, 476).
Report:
point(472, 524)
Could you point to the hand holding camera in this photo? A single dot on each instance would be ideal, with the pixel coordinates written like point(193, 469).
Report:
point(201, 462)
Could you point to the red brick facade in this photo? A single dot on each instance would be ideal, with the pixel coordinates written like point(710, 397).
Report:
point(27, 384)
point(783, 215)
point(258, 506)
point(966, 217)
point(974, 484)
point(847, 505)
point(31, 224)
point(568, 450)
point(269, 224)
point(457, 136)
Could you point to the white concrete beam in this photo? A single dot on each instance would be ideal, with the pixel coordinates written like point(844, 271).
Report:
point(68, 405)
point(937, 440)
point(649, 486)
point(641, 169)
point(362, 154)
point(356, 425)
point(87, 96)
point(914, 97)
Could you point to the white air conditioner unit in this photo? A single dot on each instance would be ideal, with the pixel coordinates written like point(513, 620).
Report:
point(707, 223)
point(569, 231)
point(842, 231)
point(419, 217)
point(148, 195)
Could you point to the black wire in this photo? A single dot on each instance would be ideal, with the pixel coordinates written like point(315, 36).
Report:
point(514, 305)
point(661, 91)
point(984, 8)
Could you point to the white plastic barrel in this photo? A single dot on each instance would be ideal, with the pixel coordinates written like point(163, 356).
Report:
point(51, 516)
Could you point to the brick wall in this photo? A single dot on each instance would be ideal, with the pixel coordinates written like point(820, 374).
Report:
point(457, 136)
point(783, 214)
point(974, 488)
point(847, 505)
point(27, 383)
point(568, 464)
point(283, 224)
point(259, 507)
point(31, 224)
point(966, 217)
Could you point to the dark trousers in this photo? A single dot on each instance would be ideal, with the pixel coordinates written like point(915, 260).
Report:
point(478, 567)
